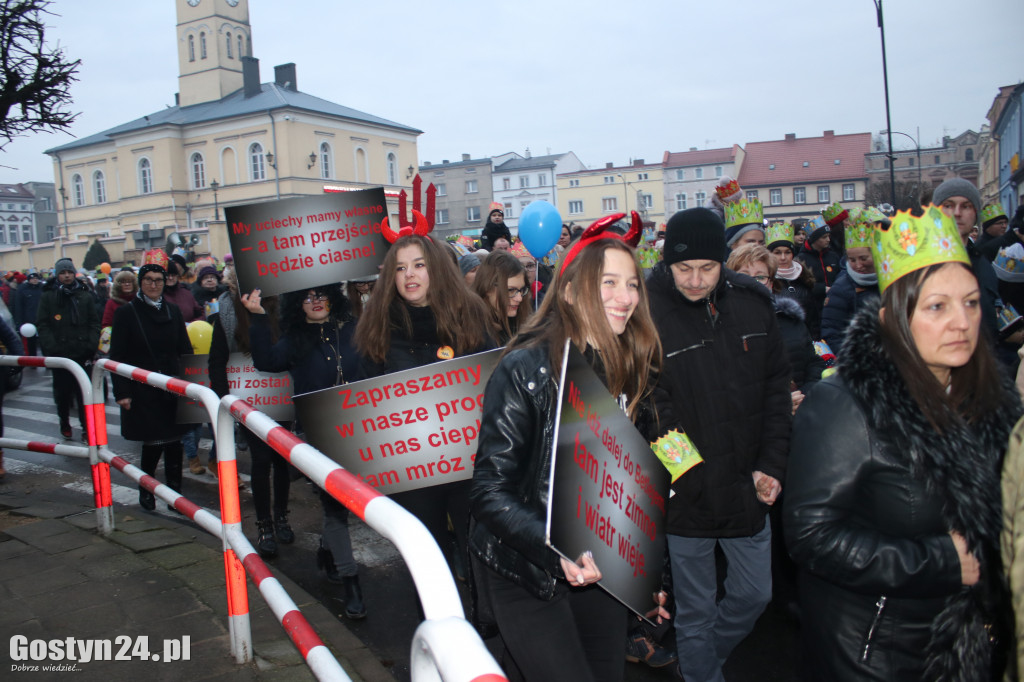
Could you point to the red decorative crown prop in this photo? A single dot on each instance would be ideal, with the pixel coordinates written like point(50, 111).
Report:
point(419, 224)
point(727, 189)
point(599, 230)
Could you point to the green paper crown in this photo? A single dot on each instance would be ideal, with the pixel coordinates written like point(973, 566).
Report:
point(992, 212)
point(744, 212)
point(911, 243)
point(780, 232)
point(858, 235)
point(834, 214)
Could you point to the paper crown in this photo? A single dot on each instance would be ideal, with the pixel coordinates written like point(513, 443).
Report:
point(496, 206)
point(728, 190)
point(779, 232)
point(815, 223)
point(599, 230)
point(419, 224)
point(1008, 317)
point(911, 243)
point(992, 213)
point(1009, 260)
point(155, 257)
point(744, 212)
point(519, 250)
point(835, 214)
point(858, 235)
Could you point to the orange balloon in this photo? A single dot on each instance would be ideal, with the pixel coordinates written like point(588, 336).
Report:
point(105, 268)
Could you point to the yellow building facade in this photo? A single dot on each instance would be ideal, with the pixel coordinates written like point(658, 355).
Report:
point(587, 195)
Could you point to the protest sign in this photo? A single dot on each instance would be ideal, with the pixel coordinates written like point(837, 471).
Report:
point(402, 431)
point(608, 489)
point(268, 392)
point(306, 242)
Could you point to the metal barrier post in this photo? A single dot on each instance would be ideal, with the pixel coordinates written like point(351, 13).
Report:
point(96, 416)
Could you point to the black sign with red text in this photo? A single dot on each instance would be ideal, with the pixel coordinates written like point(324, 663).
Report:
point(268, 392)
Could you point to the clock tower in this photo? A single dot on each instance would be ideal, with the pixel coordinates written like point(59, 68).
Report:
point(213, 36)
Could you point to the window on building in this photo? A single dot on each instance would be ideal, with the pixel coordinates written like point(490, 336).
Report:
point(641, 176)
point(799, 195)
point(441, 216)
point(23, 207)
point(699, 198)
point(77, 189)
point(823, 194)
point(849, 193)
point(681, 201)
point(885, 163)
point(471, 170)
point(473, 214)
point(99, 187)
point(392, 169)
point(910, 161)
point(937, 159)
point(576, 207)
point(645, 200)
point(326, 161)
point(3, 235)
point(542, 180)
point(775, 197)
point(718, 171)
point(145, 176)
point(969, 155)
point(241, 52)
point(26, 232)
point(508, 210)
point(191, 48)
point(202, 46)
point(198, 169)
point(574, 183)
point(609, 179)
point(506, 183)
point(751, 194)
point(610, 204)
point(522, 205)
point(228, 42)
point(257, 163)
point(51, 232)
point(524, 181)
point(471, 187)
point(698, 173)
point(442, 189)
point(680, 174)
point(13, 231)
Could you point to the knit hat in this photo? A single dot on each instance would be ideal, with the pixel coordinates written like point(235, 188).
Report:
point(957, 187)
point(468, 263)
point(182, 266)
point(991, 213)
point(209, 270)
point(63, 265)
point(816, 228)
point(694, 234)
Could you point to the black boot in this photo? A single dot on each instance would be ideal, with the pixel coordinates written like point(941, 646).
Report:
point(354, 607)
point(325, 562)
point(285, 534)
point(147, 500)
point(265, 542)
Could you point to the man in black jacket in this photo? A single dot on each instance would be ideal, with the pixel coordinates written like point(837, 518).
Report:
point(725, 382)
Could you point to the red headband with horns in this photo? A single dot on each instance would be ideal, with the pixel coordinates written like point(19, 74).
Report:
point(599, 230)
point(419, 224)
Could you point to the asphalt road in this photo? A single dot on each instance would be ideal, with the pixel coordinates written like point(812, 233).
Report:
point(769, 654)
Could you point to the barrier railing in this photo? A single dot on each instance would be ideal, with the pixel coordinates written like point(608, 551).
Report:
point(445, 645)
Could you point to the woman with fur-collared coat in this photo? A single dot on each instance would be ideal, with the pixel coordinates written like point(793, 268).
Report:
point(891, 510)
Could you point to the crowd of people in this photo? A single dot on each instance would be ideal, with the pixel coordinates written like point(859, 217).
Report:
point(848, 382)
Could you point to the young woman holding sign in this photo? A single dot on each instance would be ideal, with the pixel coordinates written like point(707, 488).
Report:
point(556, 624)
point(421, 312)
point(316, 349)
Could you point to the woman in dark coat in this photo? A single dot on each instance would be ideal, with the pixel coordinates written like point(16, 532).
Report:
point(892, 508)
point(857, 285)
point(792, 279)
point(149, 332)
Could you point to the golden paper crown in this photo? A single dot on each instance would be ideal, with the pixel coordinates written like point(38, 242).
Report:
point(779, 232)
point(727, 188)
point(835, 214)
point(992, 212)
point(858, 235)
point(911, 243)
point(744, 212)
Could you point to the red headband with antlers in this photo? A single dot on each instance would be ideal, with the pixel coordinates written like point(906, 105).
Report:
point(598, 230)
point(419, 224)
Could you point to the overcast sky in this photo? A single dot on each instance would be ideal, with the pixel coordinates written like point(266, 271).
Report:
point(611, 81)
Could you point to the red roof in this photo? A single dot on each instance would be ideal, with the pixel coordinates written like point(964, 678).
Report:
point(700, 157)
point(788, 157)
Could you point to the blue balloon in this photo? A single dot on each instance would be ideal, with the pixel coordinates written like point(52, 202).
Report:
point(540, 226)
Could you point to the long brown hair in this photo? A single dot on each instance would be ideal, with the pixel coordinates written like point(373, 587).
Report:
point(243, 317)
point(974, 388)
point(632, 359)
point(459, 313)
point(493, 276)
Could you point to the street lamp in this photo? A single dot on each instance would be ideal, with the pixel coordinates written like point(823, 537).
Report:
point(625, 193)
point(888, 119)
point(892, 158)
point(214, 185)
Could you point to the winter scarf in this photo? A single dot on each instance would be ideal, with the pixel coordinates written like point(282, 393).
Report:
point(792, 272)
point(862, 280)
point(962, 465)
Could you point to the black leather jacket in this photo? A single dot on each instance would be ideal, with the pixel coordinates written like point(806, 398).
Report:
point(509, 495)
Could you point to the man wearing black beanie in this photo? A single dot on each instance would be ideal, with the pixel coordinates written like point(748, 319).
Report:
point(725, 383)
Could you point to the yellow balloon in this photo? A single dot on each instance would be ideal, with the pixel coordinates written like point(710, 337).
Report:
point(201, 335)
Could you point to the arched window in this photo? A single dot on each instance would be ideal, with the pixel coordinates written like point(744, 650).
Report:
point(198, 171)
point(78, 190)
point(99, 187)
point(241, 51)
point(191, 48)
point(145, 177)
point(392, 169)
point(202, 46)
point(969, 155)
point(362, 168)
point(257, 169)
point(229, 45)
point(326, 162)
